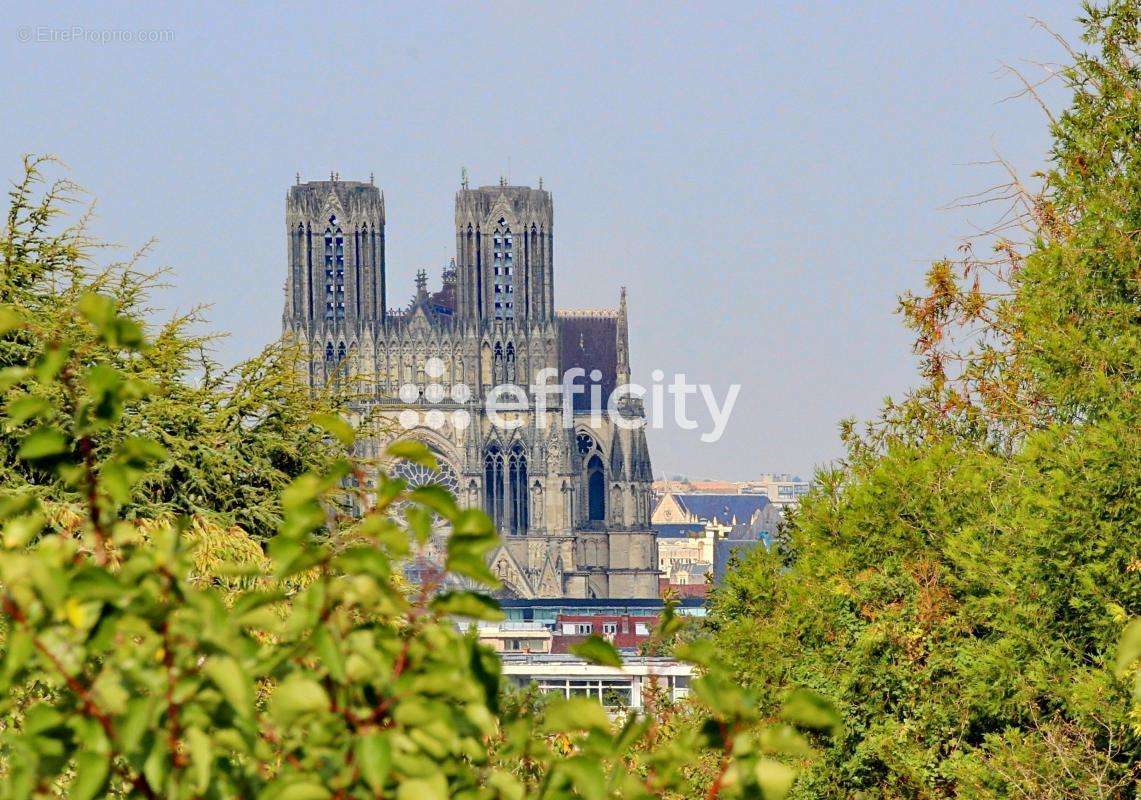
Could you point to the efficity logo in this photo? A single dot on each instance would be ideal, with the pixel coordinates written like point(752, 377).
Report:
point(628, 405)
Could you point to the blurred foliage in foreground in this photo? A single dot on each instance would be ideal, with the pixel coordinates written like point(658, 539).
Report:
point(962, 584)
point(152, 647)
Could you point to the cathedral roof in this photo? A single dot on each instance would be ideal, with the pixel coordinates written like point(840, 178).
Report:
point(677, 530)
point(589, 341)
point(724, 508)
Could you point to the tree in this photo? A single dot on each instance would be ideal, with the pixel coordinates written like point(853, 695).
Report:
point(960, 582)
point(234, 438)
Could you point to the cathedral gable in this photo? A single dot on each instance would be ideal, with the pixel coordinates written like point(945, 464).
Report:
point(507, 570)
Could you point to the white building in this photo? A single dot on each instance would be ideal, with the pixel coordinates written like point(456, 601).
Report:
point(515, 637)
point(616, 688)
point(782, 489)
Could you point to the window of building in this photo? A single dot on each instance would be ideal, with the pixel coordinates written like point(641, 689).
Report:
point(610, 627)
point(493, 485)
point(517, 495)
point(335, 253)
point(596, 489)
point(502, 277)
point(584, 627)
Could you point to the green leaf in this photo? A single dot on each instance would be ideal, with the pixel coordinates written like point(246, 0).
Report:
point(10, 318)
point(575, 714)
point(50, 362)
point(699, 652)
point(19, 531)
point(587, 777)
point(1129, 648)
point(18, 649)
point(233, 682)
point(332, 657)
point(296, 696)
point(436, 498)
point(374, 757)
point(812, 710)
point(411, 450)
point(24, 408)
point(135, 723)
point(434, 787)
point(43, 443)
point(91, 772)
point(420, 523)
point(305, 790)
point(467, 604)
point(473, 523)
point(201, 757)
point(597, 650)
point(471, 566)
point(336, 425)
point(98, 309)
point(782, 740)
point(774, 778)
point(364, 561)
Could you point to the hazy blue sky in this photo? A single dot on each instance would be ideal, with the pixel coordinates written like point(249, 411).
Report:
point(765, 178)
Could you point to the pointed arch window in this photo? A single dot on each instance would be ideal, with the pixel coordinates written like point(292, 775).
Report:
point(493, 485)
point(329, 351)
point(593, 477)
point(517, 490)
point(595, 489)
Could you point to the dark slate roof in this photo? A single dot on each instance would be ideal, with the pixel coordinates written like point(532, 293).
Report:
point(589, 342)
point(725, 549)
point(725, 508)
point(672, 530)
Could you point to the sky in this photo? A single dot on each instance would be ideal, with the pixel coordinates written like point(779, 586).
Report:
point(764, 178)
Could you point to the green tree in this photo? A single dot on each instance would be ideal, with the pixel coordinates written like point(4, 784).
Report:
point(960, 582)
point(234, 438)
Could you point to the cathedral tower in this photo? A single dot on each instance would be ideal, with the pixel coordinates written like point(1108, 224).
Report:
point(335, 241)
point(504, 253)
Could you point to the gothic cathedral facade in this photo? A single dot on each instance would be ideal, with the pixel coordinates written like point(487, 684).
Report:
point(570, 492)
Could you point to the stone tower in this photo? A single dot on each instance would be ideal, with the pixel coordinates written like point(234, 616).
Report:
point(335, 287)
point(504, 253)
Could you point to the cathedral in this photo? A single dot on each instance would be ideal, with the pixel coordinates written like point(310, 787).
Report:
point(565, 476)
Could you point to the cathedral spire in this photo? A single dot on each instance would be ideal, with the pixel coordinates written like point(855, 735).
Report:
point(623, 344)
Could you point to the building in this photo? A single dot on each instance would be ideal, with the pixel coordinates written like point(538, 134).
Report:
point(624, 631)
point(617, 688)
point(754, 512)
point(548, 610)
point(688, 486)
point(570, 493)
point(783, 490)
point(515, 637)
point(698, 532)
